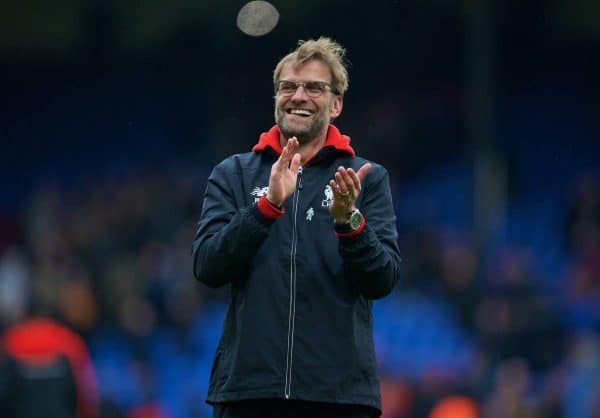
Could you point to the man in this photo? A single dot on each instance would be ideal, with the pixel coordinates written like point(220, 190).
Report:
point(304, 232)
point(49, 371)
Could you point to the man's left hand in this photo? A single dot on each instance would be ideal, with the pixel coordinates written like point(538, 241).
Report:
point(346, 188)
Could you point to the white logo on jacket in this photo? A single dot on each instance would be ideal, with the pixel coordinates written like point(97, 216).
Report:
point(328, 196)
point(309, 214)
point(257, 192)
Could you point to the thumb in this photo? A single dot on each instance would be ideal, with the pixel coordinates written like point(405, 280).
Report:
point(295, 163)
point(362, 172)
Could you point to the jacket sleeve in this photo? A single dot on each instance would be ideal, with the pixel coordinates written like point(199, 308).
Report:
point(372, 257)
point(228, 236)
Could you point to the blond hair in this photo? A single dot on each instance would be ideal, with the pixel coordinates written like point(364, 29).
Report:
point(325, 50)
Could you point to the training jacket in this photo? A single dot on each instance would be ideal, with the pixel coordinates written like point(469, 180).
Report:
point(298, 324)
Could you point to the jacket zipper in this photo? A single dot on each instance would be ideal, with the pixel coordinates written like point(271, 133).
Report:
point(290, 339)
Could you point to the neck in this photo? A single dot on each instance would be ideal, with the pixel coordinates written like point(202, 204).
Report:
point(309, 149)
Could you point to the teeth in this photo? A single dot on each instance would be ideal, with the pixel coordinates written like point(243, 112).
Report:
point(302, 112)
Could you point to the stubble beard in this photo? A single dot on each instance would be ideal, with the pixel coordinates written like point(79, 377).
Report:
point(305, 134)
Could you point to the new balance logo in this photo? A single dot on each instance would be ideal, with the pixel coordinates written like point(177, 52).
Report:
point(309, 214)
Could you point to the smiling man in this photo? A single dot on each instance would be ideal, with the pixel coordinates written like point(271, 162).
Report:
point(304, 233)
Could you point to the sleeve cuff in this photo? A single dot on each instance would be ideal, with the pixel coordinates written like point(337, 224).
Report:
point(357, 231)
point(269, 209)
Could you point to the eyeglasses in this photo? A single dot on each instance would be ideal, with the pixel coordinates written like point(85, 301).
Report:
point(312, 88)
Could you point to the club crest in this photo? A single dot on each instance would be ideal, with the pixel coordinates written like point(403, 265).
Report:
point(257, 192)
point(328, 196)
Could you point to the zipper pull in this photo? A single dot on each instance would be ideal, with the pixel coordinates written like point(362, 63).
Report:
point(300, 182)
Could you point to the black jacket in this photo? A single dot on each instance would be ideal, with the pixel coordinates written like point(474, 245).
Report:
point(299, 322)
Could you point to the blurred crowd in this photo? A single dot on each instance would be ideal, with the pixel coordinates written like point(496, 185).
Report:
point(533, 331)
point(112, 254)
point(110, 258)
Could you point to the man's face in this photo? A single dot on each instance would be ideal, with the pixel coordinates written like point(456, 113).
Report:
point(300, 113)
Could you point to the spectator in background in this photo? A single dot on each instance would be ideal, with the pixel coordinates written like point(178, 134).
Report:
point(583, 219)
point(14, 283)
point(109, 409)
point(510, 396)
point(397, 399)
point(582, 376)
point(282, 226)
point(583, 242)
point(514, 318)
point(6, 384)
point(149, 410)
point(455, 407)
point(51, 374)
point(458, 268)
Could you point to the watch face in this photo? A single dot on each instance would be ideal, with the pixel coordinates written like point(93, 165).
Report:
point(355, 219)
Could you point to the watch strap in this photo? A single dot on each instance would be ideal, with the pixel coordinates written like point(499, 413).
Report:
point(345, 229)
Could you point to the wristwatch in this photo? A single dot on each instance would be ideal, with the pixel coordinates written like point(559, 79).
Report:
point(351, 223)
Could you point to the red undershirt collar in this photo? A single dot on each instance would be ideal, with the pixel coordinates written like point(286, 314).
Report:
point(334, 139)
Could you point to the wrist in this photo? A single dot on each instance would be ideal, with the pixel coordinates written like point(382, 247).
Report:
point(352, 224)
point(269, 209)
point(344, 217)
point(274, 201)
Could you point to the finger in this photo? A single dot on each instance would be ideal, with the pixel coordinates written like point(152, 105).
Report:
point(295, 163)
point(284, 158)
point(291, 145)
point(355, 179)
point(280, 164)
point(284, 151)
point(348, 182)
point(362, 172)
point(289, 151)
point(336, 190)
point(341, 183)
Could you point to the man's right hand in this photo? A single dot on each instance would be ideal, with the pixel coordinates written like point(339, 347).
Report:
point(284, 173)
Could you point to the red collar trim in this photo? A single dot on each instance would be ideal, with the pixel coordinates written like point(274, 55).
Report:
point(334, 139)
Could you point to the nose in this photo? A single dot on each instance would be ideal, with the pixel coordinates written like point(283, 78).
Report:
point(300, 94)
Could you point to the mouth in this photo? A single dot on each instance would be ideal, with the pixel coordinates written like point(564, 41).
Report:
point(304, 113)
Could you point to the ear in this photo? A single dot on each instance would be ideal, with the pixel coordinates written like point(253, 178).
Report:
point(336, 107)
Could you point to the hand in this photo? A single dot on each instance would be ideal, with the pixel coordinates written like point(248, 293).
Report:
point(346, 187)
point(284, 173)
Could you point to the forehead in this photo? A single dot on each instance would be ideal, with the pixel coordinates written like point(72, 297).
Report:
point(314, 70)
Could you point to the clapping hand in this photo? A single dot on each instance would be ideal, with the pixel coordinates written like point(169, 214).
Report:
point(284, 173)
point(346, 188)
